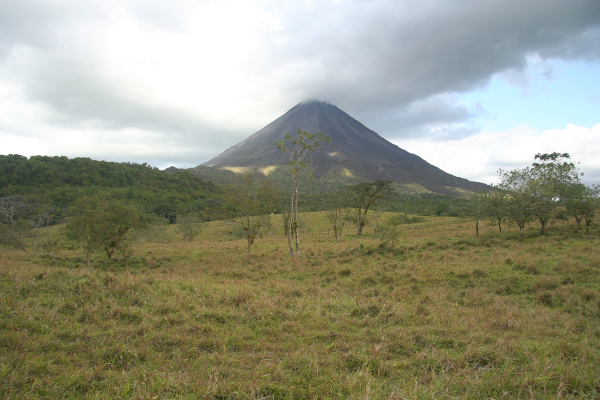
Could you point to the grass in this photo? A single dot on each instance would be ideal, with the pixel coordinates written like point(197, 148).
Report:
point(444, 315)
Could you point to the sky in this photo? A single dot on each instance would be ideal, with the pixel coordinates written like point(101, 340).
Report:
point(471, 87)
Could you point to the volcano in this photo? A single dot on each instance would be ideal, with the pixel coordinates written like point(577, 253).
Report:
point(355, 154)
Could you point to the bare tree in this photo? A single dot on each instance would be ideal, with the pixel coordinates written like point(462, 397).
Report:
point(11, 208)
point(337, 211)
point(42, 217)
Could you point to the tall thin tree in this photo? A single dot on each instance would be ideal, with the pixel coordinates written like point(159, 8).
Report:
point(298, 148)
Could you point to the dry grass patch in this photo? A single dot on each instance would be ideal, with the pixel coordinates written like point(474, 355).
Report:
point(443, 315)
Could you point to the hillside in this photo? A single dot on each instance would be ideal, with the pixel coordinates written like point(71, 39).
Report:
point(60, 180)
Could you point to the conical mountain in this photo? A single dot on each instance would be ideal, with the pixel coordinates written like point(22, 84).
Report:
point(356, 153)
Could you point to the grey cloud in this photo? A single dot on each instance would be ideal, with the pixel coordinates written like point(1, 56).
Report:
point(64, 75)
point(44, 23)
point(388, 64)
point(77, 96)
point(390, 57)
point(438, 117)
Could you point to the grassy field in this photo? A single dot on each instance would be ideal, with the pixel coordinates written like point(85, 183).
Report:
point(443, 315)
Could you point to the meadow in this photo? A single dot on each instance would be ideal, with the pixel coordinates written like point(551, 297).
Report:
point(442, 315)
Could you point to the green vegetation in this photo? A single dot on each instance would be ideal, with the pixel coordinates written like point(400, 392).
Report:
point(298, 148)
point(366, 195)
point(59, 181)
point(115, 302)
point(547, 191)
point(442, 314)
point(252, 199)
point(104, 223)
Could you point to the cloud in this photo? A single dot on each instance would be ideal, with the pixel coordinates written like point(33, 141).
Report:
point(396, 54)
point(438, 117)
point(180, 81)
point(478, 157)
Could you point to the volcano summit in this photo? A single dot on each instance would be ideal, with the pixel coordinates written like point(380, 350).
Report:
point(356, 153)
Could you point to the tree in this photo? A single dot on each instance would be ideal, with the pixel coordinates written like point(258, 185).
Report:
point(495, 204)
point(388, 233)
point(337, 211)
point(490, 205)
point(189, 226)
point(11, 208)
point(538, 191)
point(103, 223)
point(478, 210)
point(590, 205)
point(43, 215)
point(252, 200)
point(298, 149)
point(550, 183)
point(582, 203)
point(364, 196)
point(574, 203)
point(520, 200)
point(441, 208)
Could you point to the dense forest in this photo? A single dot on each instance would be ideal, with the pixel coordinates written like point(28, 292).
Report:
point(60, 181)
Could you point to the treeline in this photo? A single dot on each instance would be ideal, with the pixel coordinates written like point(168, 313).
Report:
point(59, 181)
point(430, 204)
point(426, 204)
point(548, 191)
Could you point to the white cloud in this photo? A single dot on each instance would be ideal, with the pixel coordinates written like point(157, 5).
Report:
point(180, 81)
point(479, 156)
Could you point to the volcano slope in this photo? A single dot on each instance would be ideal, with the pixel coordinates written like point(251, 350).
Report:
point(356, 154)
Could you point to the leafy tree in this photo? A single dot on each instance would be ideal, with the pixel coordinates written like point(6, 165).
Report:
point(490, 205)
point(590, 204)
point(583, 203)
point(252, 199)
point(538, 191)
point(495, 204)
point(298, 148)
point(478, 210)
point(441, 208)
point(103, 223)
point(189, 226)
point(364, 196)
point(388, 233)
point(573, 203)
point(552, 177)
point(61, 181)
point(520, 198)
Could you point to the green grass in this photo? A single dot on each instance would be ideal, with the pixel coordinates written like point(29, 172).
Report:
point(443, 315)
